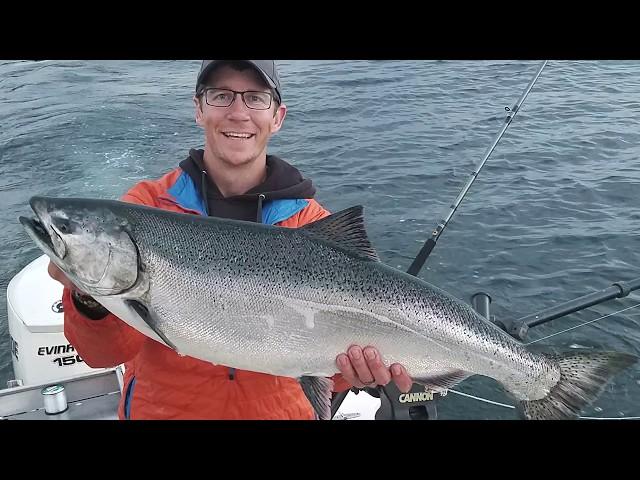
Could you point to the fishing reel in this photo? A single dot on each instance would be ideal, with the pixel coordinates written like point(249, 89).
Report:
point(417, 404)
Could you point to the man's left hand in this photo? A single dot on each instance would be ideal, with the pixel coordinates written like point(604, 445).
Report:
point(364, 368)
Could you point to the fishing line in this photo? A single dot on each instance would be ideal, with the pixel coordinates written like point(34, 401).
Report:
point(582, 324)
point(543, 338)
point(481, 399)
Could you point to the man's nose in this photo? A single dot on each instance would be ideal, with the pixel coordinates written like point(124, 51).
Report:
point(238, 106)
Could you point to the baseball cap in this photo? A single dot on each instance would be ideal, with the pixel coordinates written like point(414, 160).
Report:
point(266, 68)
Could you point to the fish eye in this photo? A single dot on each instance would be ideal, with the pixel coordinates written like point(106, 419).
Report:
point(61, 224)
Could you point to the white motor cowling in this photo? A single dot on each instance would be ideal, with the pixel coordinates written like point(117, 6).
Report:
point(39, 350)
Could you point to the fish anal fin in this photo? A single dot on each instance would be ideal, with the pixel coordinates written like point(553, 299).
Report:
point(318, 392)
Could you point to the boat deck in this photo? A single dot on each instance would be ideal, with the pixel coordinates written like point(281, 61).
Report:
point(89, 397)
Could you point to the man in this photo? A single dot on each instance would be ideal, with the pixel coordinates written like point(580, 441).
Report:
point(239, 106)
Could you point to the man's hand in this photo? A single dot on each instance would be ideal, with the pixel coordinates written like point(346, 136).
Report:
point(364, 368)
point(57, 274)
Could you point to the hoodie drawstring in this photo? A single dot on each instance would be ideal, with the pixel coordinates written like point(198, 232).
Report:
point(261, 198)
point(203, 185)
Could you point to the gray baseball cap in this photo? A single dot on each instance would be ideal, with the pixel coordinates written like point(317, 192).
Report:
point(266, 68)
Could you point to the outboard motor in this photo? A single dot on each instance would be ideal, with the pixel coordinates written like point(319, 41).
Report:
point(39, 350)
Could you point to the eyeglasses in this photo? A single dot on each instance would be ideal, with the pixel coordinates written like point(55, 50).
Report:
point(222, 97)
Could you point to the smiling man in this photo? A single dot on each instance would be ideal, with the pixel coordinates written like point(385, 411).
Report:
point(239, 106)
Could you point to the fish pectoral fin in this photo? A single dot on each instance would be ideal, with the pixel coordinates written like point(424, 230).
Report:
point(318, 392)
point(344, 229)
point(147, 317)
point(443, 380)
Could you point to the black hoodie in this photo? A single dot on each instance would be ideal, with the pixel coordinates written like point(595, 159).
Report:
point(283, 181)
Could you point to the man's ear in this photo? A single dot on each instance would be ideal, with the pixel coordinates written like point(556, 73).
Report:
point(198, 111)
point(278, 118)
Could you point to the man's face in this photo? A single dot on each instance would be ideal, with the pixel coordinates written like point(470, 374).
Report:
point(237, 135)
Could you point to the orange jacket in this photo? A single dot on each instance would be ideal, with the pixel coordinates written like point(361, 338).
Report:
point(159, 384)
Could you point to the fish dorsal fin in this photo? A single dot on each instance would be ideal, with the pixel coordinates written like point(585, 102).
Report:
point(344, 229)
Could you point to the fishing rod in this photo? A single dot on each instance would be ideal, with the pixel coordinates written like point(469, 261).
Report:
point(520, 327)
point(420, 259)
point(426, 249)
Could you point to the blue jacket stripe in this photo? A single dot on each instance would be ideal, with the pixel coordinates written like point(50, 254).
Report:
point(274, 211)
point(186, 194)
point(127, 398)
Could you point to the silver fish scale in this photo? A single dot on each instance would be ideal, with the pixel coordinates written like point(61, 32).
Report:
point(277, 301)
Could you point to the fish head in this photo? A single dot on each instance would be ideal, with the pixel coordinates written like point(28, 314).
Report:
point(88, 240)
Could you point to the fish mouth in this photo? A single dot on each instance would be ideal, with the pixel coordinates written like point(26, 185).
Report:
point(42, 231)
point(40, 235)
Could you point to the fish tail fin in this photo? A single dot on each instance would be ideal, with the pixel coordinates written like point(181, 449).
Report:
point(583, 376)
